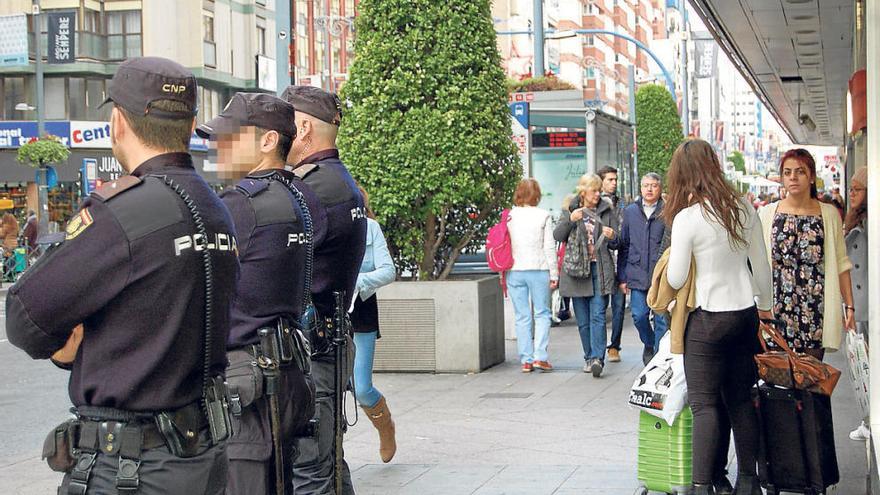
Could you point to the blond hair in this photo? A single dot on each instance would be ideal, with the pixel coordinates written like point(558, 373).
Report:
point(588, 182)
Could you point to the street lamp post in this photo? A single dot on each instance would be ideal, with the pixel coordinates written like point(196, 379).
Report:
point(42, 183)
point(332, 26)
point(538, 27)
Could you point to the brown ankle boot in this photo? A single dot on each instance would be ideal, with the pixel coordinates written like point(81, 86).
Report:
point(380, 416)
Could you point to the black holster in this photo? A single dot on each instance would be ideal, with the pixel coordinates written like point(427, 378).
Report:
point(59, 448)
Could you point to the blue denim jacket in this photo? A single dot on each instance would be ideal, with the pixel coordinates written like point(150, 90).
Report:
point(377, 268)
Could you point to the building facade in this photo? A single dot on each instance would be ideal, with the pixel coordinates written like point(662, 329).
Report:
point(223, 42)
point(597, 64)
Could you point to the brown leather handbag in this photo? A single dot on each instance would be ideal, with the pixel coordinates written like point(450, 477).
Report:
point(788, 369)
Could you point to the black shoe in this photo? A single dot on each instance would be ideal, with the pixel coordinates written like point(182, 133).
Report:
point(596, 368)
point(701, 490)
point(722, 486)
point(647, 354)
point(747, 484)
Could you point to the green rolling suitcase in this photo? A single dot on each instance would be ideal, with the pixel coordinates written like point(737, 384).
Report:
point(665, 463)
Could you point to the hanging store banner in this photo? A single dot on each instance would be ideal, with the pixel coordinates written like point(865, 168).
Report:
point(706, 52)
point(62, 37)
point(13, 40)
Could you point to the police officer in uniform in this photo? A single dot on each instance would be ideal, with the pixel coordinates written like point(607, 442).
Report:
point(135, 302)
point(339, 250)
point(273, 228)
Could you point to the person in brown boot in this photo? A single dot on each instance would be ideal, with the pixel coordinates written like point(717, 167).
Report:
point(377, 270)
point(380, 416)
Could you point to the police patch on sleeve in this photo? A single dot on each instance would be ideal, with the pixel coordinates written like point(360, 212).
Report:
point(78, 224)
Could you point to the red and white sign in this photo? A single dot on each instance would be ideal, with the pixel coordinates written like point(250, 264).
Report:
point(527, 97)
point(88, 134)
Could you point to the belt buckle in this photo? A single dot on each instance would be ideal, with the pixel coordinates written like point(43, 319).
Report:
point(109, 436)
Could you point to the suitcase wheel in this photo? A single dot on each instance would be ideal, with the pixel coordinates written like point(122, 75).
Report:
point(641, 491)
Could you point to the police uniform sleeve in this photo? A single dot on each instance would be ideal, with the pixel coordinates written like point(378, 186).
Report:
point(69, 283)
point(243, 219)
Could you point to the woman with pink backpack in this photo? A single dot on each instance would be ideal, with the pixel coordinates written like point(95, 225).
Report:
point(533, 275)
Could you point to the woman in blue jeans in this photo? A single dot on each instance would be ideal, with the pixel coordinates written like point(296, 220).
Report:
point(377, 270)
point(592, 222)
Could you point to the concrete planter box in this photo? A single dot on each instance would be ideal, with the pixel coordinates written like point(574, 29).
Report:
point(450, 326)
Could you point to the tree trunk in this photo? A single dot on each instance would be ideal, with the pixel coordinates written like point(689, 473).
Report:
point(426, 266)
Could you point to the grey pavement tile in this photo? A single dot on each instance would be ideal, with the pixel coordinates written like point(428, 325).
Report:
point(451, 479)
point(611, 477)
point(527, 479)
point(391, 476)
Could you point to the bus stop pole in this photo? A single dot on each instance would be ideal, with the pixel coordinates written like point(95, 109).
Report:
point(590, 119)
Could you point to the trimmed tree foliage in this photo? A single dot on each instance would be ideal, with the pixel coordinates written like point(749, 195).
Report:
point(658, 128)
point(38, 152)
point(427, 133)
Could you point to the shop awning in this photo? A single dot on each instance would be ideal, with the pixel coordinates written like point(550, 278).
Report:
point(796, 55)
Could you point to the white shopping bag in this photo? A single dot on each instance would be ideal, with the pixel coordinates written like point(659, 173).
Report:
point(661, 389)
point(857, 360)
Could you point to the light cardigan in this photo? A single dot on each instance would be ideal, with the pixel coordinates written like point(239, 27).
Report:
point(836, 262)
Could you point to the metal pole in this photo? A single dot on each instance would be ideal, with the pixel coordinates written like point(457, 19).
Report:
point(284, 39)
point(538, 27)
point(683, 70)
point(42, 174)
point(590, 119)
point(632, 118)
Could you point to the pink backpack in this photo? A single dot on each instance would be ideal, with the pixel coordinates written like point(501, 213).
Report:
point(499, 253)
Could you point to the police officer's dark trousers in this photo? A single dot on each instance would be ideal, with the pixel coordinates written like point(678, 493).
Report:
point(162, 473)
point(313, 465)
point(250, 450)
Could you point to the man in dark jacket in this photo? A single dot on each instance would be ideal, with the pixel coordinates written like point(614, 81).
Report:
point(608, 175)
point(641, 236)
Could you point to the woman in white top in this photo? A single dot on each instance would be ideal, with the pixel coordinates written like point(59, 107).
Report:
point(533, 276)
point(722, 233)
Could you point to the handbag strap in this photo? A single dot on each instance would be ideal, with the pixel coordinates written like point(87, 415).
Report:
point(768, 327)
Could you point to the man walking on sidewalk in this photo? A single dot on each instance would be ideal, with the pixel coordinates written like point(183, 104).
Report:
point(608, 175)
point(638, 249)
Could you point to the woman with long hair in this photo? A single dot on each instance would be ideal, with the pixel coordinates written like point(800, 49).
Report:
point(811, 270)
point(720, 231)
point(589, 229)
point(856, 229)
point(377, 270)
point(533, 276)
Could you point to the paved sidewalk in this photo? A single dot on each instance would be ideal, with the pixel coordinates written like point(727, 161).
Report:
point(497, 432)
point(506, 432)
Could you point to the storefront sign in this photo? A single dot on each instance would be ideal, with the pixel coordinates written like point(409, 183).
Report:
point(520, 131)
point(13, 134)
point(85, 134)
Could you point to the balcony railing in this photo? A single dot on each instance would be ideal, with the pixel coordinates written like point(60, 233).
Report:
point(94, 46)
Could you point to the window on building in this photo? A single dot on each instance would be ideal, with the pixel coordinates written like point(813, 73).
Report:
point(13, 91)
point(54, 98)
point(123, 30)
point(261, 36)
point(589, 40)
point(76, 97)
point(91, 21)
point(589, 73)
point(616, 58)
point(95, 95)
point(210, 104)
point(208, 44)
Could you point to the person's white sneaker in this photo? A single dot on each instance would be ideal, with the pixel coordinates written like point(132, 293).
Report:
point(860, 434)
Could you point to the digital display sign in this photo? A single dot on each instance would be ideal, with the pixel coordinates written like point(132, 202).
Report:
point(559, 139)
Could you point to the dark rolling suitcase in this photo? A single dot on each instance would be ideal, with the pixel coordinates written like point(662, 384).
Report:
point(797, 442)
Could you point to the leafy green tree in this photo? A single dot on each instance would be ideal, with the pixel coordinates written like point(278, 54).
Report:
point(428, 130)
point(44, 151)
point(739, 163)
point(658, 128)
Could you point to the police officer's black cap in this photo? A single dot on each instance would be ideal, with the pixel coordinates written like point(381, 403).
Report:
point(315, 102)
point(252, 109)
point(140, 82)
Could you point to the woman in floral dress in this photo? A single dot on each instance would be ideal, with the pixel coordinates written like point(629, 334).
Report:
point(812, 293)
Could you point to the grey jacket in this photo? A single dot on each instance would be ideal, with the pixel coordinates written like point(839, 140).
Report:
point(857, 249)
point(583, 287)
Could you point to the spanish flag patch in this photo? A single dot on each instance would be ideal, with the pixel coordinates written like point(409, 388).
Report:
point(78, 224)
